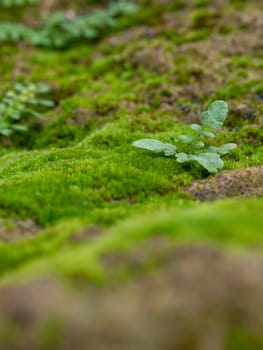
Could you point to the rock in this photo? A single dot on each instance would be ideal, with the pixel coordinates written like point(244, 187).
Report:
point(193, 300)
point(241, 182)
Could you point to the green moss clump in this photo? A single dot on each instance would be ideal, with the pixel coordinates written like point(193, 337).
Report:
point(232, 224)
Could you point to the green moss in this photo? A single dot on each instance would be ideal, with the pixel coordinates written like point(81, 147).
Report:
point(201, 3)
point(235, 89)
point(9, 332)
point(45, 243)
point(240, 339)
point(51, 334)
point(77, 168)
point(204, 18)
point(106, 101)
point(60, 184)
point(233, 223)
point(240, 4)
point(243, 61)
point(198, 34)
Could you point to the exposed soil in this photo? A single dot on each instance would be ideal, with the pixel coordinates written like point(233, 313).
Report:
point(239, 183)
point(87, 234)
point(14, 230)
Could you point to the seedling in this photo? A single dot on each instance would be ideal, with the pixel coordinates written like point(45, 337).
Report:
point(60, 30)
point(195, 147)
point(19, 104)
point(12, 3)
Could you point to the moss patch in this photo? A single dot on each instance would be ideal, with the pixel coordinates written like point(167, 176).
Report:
point(117, 226)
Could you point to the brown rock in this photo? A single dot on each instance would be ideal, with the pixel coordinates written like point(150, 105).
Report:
point(193, 300)
point(234, 183)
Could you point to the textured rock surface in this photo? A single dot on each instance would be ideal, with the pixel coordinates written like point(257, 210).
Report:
point(240, 183)
point(193, 301)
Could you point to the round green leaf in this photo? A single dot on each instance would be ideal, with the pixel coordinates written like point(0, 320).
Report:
point(216, 114)
point(155, 146)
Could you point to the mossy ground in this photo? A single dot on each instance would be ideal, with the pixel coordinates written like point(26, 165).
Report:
point(76, 169)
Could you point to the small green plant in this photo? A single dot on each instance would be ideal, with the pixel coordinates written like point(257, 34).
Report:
point(60, 31)
point(11, 3)
point(13, 32)
point(19, 104)
point(194, 147)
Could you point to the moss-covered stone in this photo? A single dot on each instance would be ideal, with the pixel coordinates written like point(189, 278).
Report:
point(112, 218)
